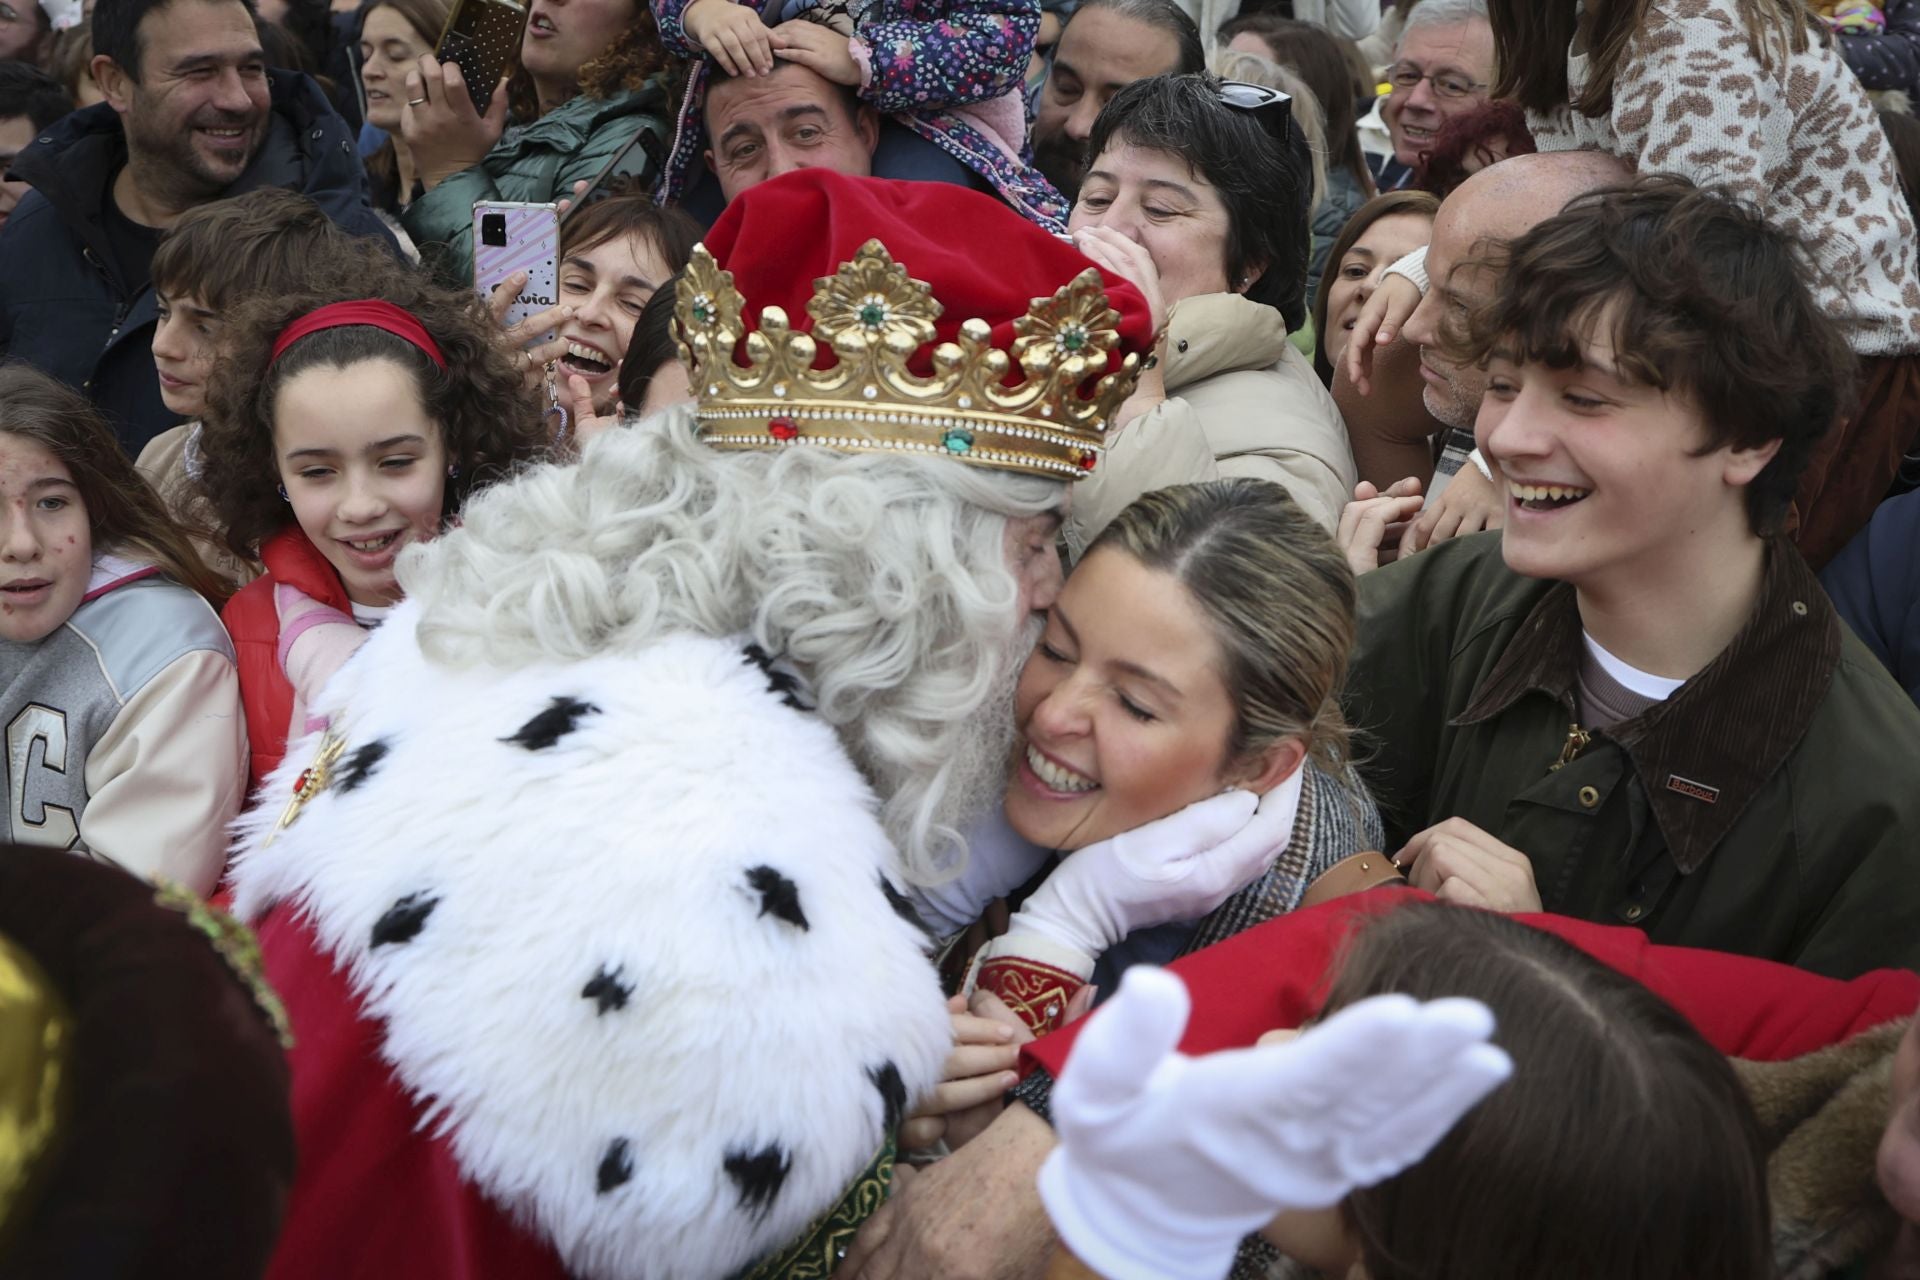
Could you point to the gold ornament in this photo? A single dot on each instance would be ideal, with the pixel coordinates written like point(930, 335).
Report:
point(312, 781)
point(874, 317)
point(235, 944)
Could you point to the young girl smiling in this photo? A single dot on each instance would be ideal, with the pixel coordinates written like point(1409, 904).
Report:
point(121, 703)
point(344, 426)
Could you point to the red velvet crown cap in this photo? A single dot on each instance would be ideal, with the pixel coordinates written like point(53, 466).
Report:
point(981, 259)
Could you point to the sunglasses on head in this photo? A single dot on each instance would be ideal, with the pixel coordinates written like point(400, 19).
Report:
point(1273, 109)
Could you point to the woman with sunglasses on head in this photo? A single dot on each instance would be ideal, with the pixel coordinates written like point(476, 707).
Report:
point(1198, 193)
point(1777, 119)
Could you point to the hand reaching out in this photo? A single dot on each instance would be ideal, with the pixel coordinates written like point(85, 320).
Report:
point(1165, 1162)
point(1470, 502)
point(1373, 521)
point(1380, 322)
point(979, 1070)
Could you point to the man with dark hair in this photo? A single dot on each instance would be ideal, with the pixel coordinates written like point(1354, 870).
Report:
point(1107, 45)
point(30, 100)
point(191, 115)
point(759, 127)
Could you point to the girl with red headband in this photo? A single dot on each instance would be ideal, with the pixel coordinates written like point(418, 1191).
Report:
point(346, 424)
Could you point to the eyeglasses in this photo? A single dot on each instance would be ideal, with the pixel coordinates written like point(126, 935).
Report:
point(1273, 109)
point(1446, 84)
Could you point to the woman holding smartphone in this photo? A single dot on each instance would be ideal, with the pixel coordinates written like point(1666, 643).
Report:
point(590, 77)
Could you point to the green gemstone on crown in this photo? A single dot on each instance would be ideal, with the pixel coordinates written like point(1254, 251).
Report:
point(873, 314)
point(1073, 338)
point(958, 440)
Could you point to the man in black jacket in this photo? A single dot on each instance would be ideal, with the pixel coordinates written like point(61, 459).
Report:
point(192, 114)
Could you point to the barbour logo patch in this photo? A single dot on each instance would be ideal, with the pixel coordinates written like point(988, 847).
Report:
point(1695, 790)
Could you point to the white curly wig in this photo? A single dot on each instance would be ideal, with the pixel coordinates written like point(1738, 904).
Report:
point(882, 578)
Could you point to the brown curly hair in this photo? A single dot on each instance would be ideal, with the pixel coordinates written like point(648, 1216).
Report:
point(623, 66)
point(490, 419)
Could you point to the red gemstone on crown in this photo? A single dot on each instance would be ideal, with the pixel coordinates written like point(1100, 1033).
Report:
point(1088, 461)
point(783, 428)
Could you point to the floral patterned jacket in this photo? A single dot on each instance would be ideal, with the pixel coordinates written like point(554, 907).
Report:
point(927, 61)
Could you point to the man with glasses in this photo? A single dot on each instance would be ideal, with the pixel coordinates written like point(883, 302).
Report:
point(1442, 68)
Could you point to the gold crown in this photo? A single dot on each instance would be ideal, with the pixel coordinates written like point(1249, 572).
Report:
point(875, 317)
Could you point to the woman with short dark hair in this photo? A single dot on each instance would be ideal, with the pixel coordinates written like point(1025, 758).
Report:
point(1198, 193)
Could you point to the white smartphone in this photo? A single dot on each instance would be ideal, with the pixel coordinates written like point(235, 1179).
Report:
point(510, 237)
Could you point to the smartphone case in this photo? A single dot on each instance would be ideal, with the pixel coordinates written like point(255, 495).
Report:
point(533, 246)
point(483, 36)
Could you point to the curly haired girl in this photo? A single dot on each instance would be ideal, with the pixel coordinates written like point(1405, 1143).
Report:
point(345, 423)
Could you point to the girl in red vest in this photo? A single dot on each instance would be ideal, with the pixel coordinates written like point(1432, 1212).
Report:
point(346, 423)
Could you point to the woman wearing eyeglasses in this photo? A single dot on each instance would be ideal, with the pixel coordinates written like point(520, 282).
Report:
point(1749, 96)
point(1198, 193)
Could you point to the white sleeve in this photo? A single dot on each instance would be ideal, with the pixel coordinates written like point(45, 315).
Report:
point(170, 773)
point(1414, 267)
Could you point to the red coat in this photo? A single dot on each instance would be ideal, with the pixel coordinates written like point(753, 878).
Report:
point(1272, 976)
point(375, 1194)
point(254, 623)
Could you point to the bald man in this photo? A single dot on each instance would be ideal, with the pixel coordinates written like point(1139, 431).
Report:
point(1499, 204)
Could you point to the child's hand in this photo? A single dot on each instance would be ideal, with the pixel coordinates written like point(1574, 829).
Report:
point(732, 34)
point(818, 48)
point(978, 1071)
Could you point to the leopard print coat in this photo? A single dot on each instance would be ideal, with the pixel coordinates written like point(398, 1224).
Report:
point(1798, 139)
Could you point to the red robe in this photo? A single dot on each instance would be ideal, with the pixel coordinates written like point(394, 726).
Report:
point(376, 1195)
point(1272, 976)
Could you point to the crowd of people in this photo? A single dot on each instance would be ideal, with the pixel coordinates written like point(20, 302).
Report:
point(1117, 638)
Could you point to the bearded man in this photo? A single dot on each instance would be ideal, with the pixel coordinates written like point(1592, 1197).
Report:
point(590, 905)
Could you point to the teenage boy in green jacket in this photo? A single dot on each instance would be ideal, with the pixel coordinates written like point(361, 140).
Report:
point(1634, 703)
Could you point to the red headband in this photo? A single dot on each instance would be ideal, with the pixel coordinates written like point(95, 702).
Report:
point(397, 321)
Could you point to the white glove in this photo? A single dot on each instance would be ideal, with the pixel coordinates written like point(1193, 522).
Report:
point(1178, 868)
point(1165, 1162)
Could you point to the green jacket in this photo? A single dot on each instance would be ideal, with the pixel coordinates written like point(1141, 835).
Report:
point(1770, 806)
point(538, 162)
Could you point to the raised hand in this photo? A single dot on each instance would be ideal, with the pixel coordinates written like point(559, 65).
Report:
point(439, 123)
point(1165, 1162)
point(1380, 322)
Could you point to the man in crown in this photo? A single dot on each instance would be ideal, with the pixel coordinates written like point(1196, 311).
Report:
point(597, 909)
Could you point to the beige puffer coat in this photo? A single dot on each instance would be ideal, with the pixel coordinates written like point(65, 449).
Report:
point(1240, 402)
